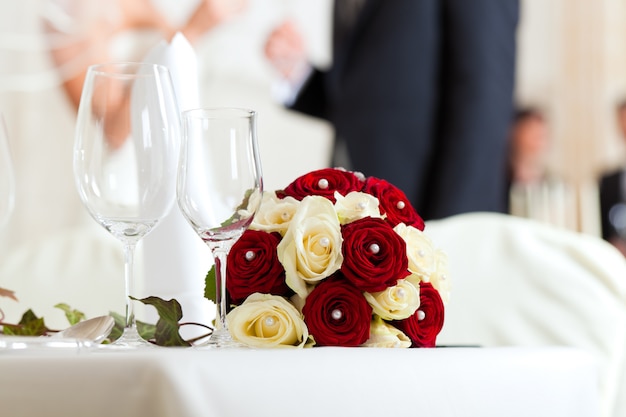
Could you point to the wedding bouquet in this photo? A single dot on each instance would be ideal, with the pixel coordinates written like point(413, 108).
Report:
point(336, 259)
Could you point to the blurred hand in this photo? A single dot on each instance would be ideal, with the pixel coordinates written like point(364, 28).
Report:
point(211, 13)
point(139, 14)
point(286, 50)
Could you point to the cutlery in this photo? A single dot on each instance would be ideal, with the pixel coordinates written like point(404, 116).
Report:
point(94, 330)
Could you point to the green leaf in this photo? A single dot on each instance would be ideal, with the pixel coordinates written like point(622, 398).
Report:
point(236, 217)
point(210, 291)
point(167, 327)
point(146, 330)
point(33, 325)
point(11, 329)
point(29, 325)
point(73, 316)
point(118, 328)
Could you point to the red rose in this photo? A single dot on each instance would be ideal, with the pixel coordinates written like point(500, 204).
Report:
point(323, 182)
point(253, 266)
point(374, 254)
point(337, 313)
point(424, 326)
point(394, 203)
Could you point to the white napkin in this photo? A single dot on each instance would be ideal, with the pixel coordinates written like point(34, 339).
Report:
point(175, 260)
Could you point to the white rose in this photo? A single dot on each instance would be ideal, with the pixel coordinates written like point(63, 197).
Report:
point(356, 205)
point(275, 213)
point(266, 320)
point(439, 278)
point(395, 303)
point(419, 250)
point(252, 206)
point(384, 335)
point(311, 249)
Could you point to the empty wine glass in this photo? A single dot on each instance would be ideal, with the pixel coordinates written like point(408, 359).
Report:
point(7, 178)
point(125, 158)
point(219, 188)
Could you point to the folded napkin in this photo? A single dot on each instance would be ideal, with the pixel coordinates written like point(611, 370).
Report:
point(175, 260)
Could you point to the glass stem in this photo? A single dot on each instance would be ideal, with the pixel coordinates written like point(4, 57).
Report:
point(220, 256)
point(129, 263)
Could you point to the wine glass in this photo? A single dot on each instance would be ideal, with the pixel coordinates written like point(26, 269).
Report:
point(125, 158)
point(7, 178)
point(219, 188)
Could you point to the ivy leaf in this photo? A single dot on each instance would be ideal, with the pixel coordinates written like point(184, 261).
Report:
point(236, 217)
point(73, 316)
point(210, 290)
point(7, 293)
point(167, 327)
point(118, 327)
point(29, 325)
point(33, 325)
point(11, 329)
point(146, 330)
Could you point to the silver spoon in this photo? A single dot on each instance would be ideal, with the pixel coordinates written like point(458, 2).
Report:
point(95, 330)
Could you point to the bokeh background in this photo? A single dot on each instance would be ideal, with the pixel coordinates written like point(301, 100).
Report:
point(571, 64)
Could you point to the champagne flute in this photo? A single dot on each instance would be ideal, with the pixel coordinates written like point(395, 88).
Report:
point(7, 178)
point(125, 158)
point(219, 188)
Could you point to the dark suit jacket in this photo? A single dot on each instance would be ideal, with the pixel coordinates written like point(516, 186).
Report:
point(421, 93)
point(611, 194)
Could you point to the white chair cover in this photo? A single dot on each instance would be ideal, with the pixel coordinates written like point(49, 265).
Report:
point(520, 282)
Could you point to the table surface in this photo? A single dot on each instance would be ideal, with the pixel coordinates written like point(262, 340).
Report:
point(310, 382)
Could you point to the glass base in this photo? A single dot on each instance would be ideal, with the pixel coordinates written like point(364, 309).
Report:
point(130, 339)
point(221, 338)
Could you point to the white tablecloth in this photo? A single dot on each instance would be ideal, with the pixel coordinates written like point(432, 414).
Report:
point(486, 382)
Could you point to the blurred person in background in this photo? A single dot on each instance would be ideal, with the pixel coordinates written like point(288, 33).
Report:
point(534, 191)
point(48, 45)
point(528, 146)
point(419, 94)
point(227, 37)
point(95, 43)
point(45, 49)
point(66, 254)
point(613, 194)
point(51, 242)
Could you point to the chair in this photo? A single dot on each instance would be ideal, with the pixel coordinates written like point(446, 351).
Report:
point(518, 282)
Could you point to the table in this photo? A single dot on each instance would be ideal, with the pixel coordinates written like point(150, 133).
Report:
point(486, 382)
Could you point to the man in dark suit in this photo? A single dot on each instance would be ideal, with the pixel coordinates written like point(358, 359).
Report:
point(420, 93)
point(613, 195)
